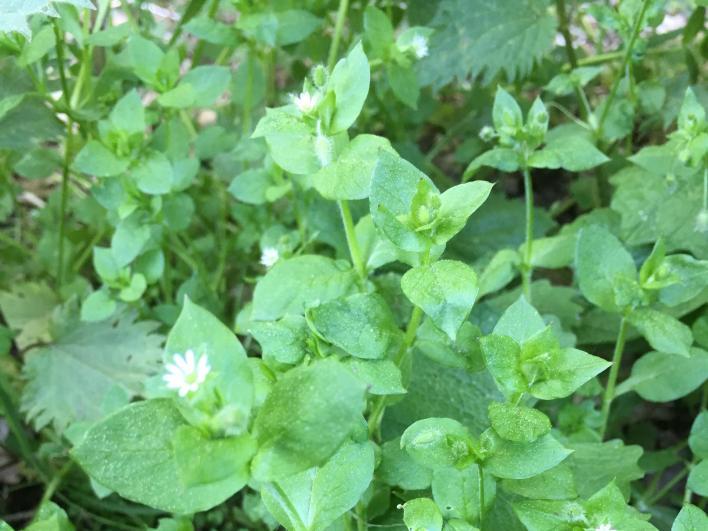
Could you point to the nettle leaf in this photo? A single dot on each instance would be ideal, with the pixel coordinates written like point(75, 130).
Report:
point(291, 141)
point(199, 331)
point(691, 518)
point(14, 13)
point(349, 176)
point(572, 153)
point(350, 83)
point(456, 492)
point(521, 460)
point(698, 439)
point(518, 423)
point(313, 499)
point(296, 283)
point(27, 309)
point(438, 443)
point(483, 38)
point(663, 332)
point(422, 513)
point(445, 291)
point(361, 324)
point(661, 377)
point(604, 269)
point(306, 417)
point(89, 370)
point(145, 452)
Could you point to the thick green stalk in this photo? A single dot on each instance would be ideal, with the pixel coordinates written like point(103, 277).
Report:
point(527, 268)
point(338, 26)
point(625, 61)
point(352, 242)
point(612, 378)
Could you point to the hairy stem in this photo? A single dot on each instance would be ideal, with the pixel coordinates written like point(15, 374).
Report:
point(612, 378)
point(625, 61)
point(338, 26)
point(527, 269)
point(352, 242)
point(64, 200)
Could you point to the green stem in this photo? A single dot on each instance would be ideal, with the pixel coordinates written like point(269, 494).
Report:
point(612, 56)
point(565, 31)
point(247, 96)
point(199, 48)
point(361, 517)
point(612, 378)
point(527, 268)
point(338, 26)
point(667, 487)
point(60, 60)
point(352, 242)
point(625, 61)
point(54, 484)
point(63, 201)
point(480, 478)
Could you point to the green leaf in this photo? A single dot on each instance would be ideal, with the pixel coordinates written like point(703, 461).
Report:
point(128, 114)
point(349, 176)
point(663, 332)
point(520, 321)
point(153, 173)
point(208, 83)
point(378, 32)
point(42, 41)
point(198, 330)
point(572, 153)
point(362, 324)
point(698, 478)
point(98, 306)
point(393, 189)
point(517, 460)
point(306, 417)
point(445, 291)
point(293, 285)
point(49, 517)
point(503, 159)
point(438, 443)
point(77, 377)
point(456, 492)
point(502, 355)
point(655, 203)
point(698, 439)
point(291, 142)
point(398, 469)
point(661, 377)
point(596, 464)
point(27, 309)
point(404, 83)
point(128, 240)
point(457, 205)
point(279, 28)
point(133, 452)
point(557, 483)
point(282, 341)
point(691, 518)
point(603, 266)
point(313, 499)
point(518, 423)
point(350, 83)
point(421, 514)
point(687, 277)
point(480, 38)
point(380, 377)
point(95, 159)
point(506, 113)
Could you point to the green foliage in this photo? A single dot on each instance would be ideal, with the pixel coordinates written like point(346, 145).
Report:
point(335, 265)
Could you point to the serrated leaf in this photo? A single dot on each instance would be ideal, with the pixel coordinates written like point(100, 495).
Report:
point(73, 378)
point(481, 38)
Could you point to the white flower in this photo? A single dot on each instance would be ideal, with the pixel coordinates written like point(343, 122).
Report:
point(605, 527)
point(269, 257)
point(186, 374)
point(419, 44)
point(306, 102)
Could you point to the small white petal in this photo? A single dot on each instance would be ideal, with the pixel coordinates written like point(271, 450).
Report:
point(183, 391)
point(180, 362)
point(189, 357)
